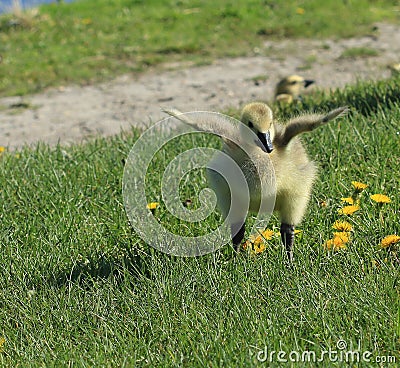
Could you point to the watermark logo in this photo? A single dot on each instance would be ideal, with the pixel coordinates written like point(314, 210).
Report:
point(341, 353)
point(230, 174)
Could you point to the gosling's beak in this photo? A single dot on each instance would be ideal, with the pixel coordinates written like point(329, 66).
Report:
point(307, 82)
point(266, 141)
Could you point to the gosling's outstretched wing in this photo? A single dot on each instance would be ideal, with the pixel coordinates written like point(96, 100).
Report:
point(306, 123)
point(222, 125)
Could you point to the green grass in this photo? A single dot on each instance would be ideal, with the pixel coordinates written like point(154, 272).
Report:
point(358, 52)
point(91, 40)
point(308, 62)
point(79, 287)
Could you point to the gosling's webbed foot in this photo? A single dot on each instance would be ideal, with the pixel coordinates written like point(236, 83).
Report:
point(237, 231)
point(287, 236)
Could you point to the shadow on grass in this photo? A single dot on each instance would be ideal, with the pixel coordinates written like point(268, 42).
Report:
point(101, 267)
point(133, 265)
point(368, 97)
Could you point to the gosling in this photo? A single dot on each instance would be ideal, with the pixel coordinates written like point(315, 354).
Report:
point(395, 69)
point(290, 88)
point(277, 150)
point(294, 171)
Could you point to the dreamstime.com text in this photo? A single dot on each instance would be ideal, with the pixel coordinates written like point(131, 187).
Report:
point(340, 354)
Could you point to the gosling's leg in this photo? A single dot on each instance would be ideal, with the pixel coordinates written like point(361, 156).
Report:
point(287, 236)
point(237, 231)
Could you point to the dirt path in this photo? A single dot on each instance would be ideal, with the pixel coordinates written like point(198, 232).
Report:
point(73, 113)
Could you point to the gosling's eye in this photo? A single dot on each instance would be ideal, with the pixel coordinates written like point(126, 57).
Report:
point(251, 125)
point(293, 82)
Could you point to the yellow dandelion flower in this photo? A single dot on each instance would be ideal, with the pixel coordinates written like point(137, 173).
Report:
point(246, 245)
point(359, 187)
point(380, 198)
point(259, 247)
point(389, 240)
point(348, 200)
point(300, 11)
point(254, 238)
point(375, 263)
point(86, 21)
point(348, 210)
point(255, 244)
point(2, 342)
point(267, 234)
point(2, 149)
point(334, 244)
point(152, 205)
point(342, 246)
point(344, 236)
point(342, 226)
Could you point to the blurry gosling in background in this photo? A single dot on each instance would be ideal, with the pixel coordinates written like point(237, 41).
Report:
point(294, 171)
point(290, 88)
point(395, 69)
point(277, 145)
